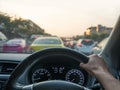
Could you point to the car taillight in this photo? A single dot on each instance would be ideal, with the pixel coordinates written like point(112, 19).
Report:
point(80, 45)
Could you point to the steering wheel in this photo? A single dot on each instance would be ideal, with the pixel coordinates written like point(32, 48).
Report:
point(13, 84)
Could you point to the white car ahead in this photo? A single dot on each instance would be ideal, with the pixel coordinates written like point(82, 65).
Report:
point(85, 46)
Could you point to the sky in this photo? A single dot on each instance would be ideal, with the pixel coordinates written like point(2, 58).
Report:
point(64, 17)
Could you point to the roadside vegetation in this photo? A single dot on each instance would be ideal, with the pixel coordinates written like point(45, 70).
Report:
point(14, 27)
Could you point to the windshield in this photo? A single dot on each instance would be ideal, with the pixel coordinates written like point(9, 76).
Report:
point(69, 20)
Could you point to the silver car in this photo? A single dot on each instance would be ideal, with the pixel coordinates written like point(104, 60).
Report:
point(85, 46)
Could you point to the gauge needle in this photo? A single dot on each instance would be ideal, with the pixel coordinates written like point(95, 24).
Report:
point(72, 80)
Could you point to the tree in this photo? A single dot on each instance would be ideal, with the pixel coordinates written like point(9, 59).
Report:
point(18, 27)
point(6, 21)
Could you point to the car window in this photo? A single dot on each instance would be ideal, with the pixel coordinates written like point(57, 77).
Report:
point(28, 26)
point(84, 21)
point(14, 41)
point(87, 42)
point(47, 41)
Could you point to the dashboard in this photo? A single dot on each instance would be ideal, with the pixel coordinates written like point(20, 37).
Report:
point(48, 69)
point(8, 62)
point(59, 68)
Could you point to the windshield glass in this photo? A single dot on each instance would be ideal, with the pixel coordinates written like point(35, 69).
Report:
point(70, 20)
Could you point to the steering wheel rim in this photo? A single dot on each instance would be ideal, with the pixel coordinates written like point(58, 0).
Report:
point(12, 82)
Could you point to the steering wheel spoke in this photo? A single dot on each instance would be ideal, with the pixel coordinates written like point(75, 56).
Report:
point(28, 87)
point(54, 85)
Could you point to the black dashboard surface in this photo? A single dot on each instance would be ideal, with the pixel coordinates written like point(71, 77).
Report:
point(13, 57)
point(8, 62)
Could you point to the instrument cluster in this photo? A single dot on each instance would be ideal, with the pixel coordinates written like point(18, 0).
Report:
point(71, 74)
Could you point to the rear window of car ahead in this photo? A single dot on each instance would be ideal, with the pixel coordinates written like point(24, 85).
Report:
point(87, 42)
point(47, 41)
point(14, 41)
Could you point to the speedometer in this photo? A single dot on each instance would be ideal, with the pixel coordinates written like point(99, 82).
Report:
point(75, 76)
point(41, 74)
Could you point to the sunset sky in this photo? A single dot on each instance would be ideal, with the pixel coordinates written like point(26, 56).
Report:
point(64, 17)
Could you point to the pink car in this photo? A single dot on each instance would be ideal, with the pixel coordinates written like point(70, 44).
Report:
point(15, 45)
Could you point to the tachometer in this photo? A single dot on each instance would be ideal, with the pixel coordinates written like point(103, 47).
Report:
point(75, 76)
point(41, 74)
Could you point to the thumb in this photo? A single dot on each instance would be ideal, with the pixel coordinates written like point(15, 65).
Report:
point(82, 65)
